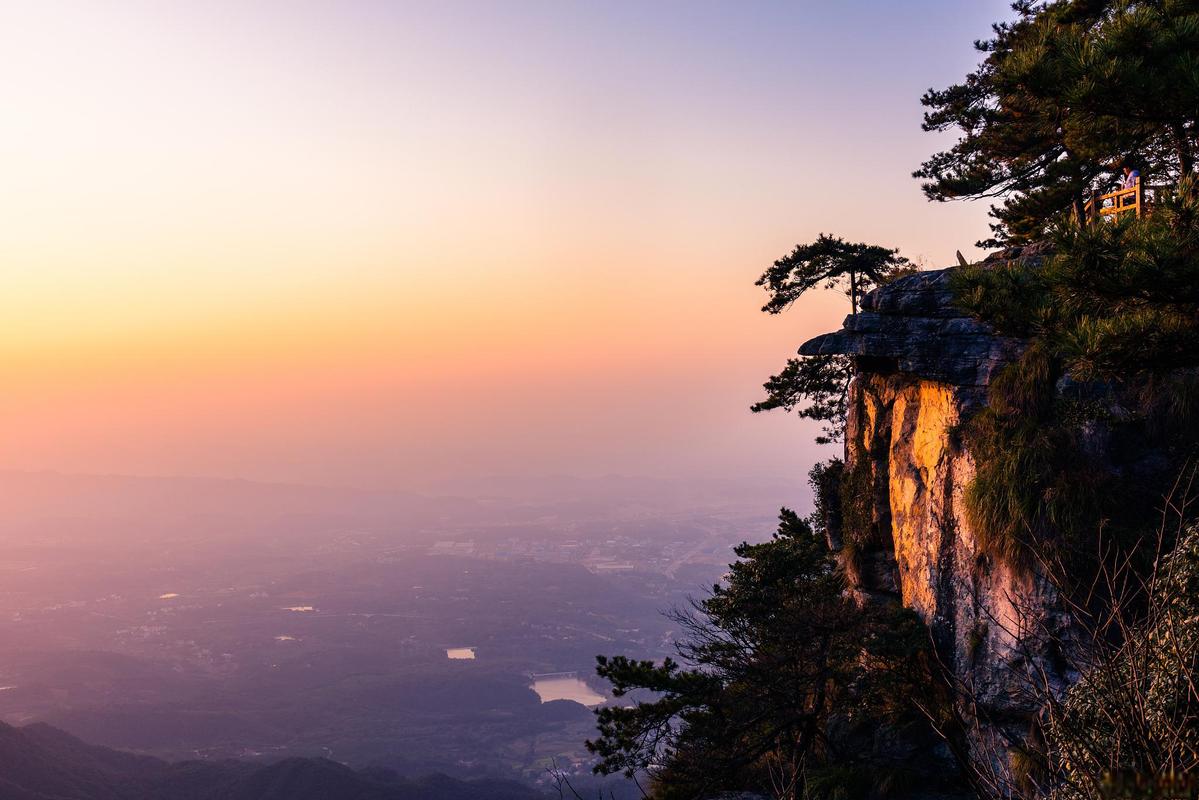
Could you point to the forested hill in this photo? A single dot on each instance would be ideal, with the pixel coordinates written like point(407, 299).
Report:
point(39, 762)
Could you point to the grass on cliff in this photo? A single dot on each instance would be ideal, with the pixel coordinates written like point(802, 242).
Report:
point(857, 496)
point(1082, 433)
point(1033, 478)
point(1009, 296)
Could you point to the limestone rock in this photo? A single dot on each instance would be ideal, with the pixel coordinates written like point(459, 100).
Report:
point(922, 366)
point(911, 326)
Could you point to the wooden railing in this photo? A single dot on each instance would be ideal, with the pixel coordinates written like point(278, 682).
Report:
point(1117, 203)
point(1136, 200)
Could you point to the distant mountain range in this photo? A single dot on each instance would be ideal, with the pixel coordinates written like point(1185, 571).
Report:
point(39, 762)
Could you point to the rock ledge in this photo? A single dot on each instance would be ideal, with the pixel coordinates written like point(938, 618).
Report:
point(911, 326)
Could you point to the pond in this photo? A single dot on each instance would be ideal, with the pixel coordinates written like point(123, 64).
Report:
point(566, 689)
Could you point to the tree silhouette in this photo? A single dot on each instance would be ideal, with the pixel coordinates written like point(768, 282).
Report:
point(833, 263)
point(1065, 93)
point(815, 387)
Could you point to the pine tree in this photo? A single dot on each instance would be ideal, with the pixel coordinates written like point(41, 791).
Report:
point(1065, 93)
point(833, 263)
point(816, 387)
point(1021, 135)
point(1142, 74)
point(774, 654)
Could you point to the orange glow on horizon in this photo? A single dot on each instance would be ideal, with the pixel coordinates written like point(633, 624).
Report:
point(379, 242)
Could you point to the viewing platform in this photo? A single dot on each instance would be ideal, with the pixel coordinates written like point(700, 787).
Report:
point(1136, 200)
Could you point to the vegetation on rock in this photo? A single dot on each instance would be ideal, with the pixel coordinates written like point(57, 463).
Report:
point(1083, 432)
point(1076, 453)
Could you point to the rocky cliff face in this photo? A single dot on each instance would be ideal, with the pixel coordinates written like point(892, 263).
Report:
point(921, 367)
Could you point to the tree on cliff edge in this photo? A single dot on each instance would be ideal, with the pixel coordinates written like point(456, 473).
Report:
point(832, 263)
point(816, 386)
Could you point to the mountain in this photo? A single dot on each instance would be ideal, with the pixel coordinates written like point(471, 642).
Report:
point(39, 762)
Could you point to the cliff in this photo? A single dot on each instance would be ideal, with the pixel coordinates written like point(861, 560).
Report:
point(921, 367)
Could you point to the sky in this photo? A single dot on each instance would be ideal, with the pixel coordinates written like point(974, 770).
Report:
point(393, 244)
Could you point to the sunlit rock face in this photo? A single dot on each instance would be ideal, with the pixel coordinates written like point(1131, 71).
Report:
point(921, 368)
point(985, 616)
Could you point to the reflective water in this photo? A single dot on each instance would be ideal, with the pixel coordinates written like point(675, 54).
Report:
point(566, 689)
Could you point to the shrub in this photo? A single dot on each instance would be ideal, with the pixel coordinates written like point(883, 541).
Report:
point(1033, 479)
point(859, 527)
point(825, 479)
point(1132, 722)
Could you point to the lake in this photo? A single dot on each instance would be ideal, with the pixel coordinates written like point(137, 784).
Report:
point(566, 689)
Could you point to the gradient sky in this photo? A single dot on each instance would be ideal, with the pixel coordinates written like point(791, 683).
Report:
point(380, 244)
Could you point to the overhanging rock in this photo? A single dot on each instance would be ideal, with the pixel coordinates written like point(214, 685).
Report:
point(911, 326)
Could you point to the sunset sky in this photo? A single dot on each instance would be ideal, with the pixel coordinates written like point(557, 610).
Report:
point(385, 243)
